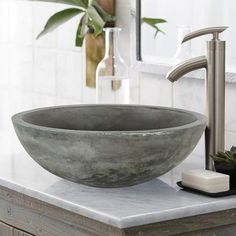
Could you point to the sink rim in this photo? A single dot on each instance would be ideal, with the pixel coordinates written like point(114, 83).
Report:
point(18, 119)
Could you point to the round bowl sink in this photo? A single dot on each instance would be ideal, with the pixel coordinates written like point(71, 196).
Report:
point(109, 145)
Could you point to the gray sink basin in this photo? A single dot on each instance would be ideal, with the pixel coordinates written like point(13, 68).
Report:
point(109, 145)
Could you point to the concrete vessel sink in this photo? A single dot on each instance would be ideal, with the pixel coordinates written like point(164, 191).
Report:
point(109, 145)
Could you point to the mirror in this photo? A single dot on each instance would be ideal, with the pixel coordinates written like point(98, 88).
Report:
point(184, 16)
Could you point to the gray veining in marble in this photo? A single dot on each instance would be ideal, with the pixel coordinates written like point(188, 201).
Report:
point(151, 202)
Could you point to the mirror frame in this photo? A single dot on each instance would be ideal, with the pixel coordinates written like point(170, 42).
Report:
point(136, 57)
point(138, 30)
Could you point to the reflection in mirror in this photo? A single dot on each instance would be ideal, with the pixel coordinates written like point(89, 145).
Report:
point(183, 16)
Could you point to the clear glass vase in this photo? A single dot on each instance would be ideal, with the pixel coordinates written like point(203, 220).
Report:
point(112, 73)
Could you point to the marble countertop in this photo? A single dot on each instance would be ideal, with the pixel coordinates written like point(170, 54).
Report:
point(151, 202)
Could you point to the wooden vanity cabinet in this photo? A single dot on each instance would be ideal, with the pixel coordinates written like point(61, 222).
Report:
point(6, 230)
point(20, 214)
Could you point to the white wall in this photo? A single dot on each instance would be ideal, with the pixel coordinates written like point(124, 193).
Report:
point(35, 73)
point(49, 71)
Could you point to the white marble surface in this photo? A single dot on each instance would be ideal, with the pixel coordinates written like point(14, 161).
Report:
point(147, 203)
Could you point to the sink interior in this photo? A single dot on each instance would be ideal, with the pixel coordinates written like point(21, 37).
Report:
point(109, 118)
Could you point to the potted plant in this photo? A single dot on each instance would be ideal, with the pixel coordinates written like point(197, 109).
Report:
point(95, 16)
point(225, 162)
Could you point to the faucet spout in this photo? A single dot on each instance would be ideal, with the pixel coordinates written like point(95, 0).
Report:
point(214, 63)
point(185, 67)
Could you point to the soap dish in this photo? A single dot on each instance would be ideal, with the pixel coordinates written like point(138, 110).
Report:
point(220, 194)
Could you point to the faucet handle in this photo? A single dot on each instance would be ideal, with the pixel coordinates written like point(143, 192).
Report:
point(215, 31)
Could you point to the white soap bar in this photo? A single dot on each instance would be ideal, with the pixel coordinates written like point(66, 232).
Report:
point(206, 180)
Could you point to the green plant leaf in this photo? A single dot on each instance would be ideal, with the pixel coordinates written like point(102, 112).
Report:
point(79, 3)
point(95, 20)
point(105, 16)
point(234, 155)
point(218, 159)
point(226, 157)
point(233, 149)
point(85, 2)
point(153, 22)
point(58, 19)
point(222, 154)
point(81, 31)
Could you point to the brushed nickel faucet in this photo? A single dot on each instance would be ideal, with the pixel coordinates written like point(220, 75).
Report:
point(214, 63)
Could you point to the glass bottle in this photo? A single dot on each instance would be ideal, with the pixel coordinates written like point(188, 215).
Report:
point(112, 73)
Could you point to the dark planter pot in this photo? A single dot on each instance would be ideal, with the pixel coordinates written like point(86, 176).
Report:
point(227, 169)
